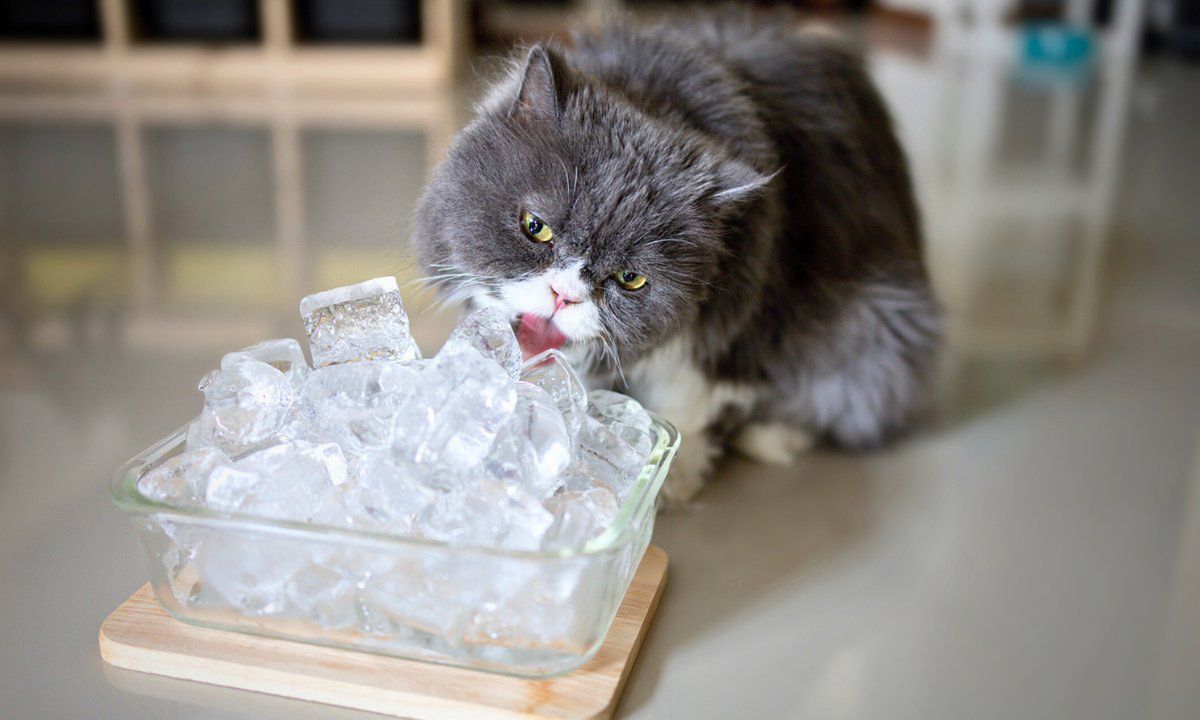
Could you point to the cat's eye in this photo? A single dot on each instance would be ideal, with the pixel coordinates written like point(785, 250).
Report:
point(534, 228)
point(629, 280)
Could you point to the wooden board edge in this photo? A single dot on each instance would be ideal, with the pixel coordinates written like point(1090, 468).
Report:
point(268, 681)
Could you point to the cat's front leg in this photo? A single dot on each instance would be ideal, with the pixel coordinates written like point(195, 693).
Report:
point(691, 468)
point(669, 383)
point(775, 443)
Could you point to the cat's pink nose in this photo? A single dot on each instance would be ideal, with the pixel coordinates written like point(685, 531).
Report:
point(562, 299)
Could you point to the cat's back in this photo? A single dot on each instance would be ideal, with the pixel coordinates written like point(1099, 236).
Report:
point(676, 72)
point(747, 79)
point(830, 129)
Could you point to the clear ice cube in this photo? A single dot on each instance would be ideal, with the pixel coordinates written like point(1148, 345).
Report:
point(289, 481)
point(487, 513)
point(641, 440)
point(229, 488)
point(398, 601)
point(613, 407)
point(391, 489)
point(183, 479)
point(551, 605)
point(179, 554)
point(533, 448)
point(342, 508)
point(471, 398)
point(489, 332)
point(580, 515)
point(551, 371)
point(358, 322)
point(364, 405)
point(283, 354)
point(300, 425)
point(249, 572)
point(323, 595)
point(624, 416)
point(245, 405)
point(603, 458)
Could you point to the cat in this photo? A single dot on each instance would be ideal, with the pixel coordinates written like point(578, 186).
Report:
point(712, 214)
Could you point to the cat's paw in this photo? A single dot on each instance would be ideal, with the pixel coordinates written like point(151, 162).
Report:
point(773, 443)
point(689, 471)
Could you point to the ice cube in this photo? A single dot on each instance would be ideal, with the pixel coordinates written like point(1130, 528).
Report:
point(494, 587)
point(300, 425)
point(392, 490)
point(612, 407)
point(229, 488)
point(342, 508)
point(533, 448)
point(471, 399)
point(580, 515)
point(489, 514)
point(249, 572)
point(552, 605)
point(397, 602)
point(551, 371)
point(358, 322)
point(289, 481)
point(183, 479)
point(624, 416)
point(245, 404)
point(364, 405)
point(489, 332)
point(323, 595)
point(177, 546)
point(603, 458)
point(195, 438)
point(641, 440)
point(283, 354)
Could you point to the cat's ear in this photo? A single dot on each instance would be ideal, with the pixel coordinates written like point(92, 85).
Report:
point(737, 183)
point(543, 87)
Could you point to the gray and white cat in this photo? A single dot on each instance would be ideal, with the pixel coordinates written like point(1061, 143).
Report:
point(710, 213)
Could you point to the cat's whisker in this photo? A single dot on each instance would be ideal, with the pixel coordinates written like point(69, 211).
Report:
point(436, 305)
point(616, 351)
point(448, 286)
point(455, 294)
point(434, 280)
point(449, 269)
point(440, 289)
point(609, 344)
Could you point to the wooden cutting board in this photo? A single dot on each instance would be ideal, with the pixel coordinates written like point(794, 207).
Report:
point(139, 635)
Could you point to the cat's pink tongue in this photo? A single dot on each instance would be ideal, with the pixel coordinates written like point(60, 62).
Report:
point(537, 335)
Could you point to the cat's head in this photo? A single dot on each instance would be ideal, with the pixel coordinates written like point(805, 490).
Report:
point(587, 221)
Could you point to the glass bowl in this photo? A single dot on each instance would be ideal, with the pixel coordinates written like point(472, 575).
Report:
point(530, 614)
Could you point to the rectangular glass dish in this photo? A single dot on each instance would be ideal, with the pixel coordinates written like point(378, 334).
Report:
point(529, 614)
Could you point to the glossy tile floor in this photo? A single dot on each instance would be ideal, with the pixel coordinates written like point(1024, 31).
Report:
point(1033, 554)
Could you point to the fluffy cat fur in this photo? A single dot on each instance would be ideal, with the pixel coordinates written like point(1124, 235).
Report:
point(751, 173)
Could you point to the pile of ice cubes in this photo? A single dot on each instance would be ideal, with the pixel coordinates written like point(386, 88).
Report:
point(472, 447)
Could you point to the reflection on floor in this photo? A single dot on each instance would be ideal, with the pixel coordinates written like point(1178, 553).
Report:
point(158, 208)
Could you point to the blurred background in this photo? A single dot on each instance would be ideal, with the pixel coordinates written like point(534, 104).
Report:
point(175, 174)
